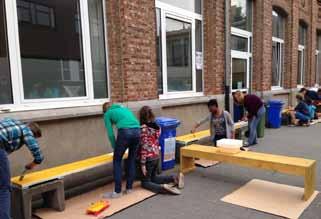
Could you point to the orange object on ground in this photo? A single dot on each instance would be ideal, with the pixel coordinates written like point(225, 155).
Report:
point(98, 207)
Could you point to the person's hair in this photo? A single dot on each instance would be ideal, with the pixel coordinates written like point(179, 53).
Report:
point(319, 90)
point(299, 97)
point(35, 128)
point(106, 106)
point(302, 90)
point(146, 115)
point(212, 102)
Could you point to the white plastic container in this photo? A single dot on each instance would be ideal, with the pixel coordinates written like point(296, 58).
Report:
point(229, 145)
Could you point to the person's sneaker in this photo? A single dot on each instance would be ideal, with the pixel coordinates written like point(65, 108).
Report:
point(171, 190)
point(112, 195)
point(180, 183)
point(128, 191)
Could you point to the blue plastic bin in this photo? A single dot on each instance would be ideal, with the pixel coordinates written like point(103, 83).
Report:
point(274, 113)
point(238, 112)
point(167, 141)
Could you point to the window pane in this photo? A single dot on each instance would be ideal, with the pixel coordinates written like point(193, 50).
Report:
point(277, 63)
point(191, 5)
point(199, 55)
point(179, 59)
point(239, 74)
point(52, 59)
point(302, 35)
point(5, 77)
point(319, 42)
point(278, 24)
point(159, 51)
point(300, 67)
point(98, 45)
point(239, 43)
point(242, 14)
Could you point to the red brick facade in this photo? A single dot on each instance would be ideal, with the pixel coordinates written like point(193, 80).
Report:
point(131, 29)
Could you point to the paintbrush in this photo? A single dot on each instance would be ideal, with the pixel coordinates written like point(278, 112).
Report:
point(23, 175)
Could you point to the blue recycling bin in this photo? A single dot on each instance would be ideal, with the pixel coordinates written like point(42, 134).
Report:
point(167, 140)
point(274, 113)
point(238, 112)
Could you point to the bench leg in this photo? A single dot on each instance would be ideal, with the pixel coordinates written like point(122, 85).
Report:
point(309, 182)
point(27, 205)
point(187, 164)
point(55, 199)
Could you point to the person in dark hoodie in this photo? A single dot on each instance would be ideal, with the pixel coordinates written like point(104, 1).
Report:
point(149, 155)
point(300, 115)
point(128, 137)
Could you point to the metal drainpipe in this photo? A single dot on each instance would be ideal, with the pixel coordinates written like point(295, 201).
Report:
point(227, 77)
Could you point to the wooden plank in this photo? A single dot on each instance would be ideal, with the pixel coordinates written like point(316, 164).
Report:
point(61, 171)
point(309, 182)
point(288, 165)
point(189, 138)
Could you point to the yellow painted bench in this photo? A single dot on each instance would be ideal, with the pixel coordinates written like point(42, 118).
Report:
point(191, 138)
point(60, 171)
point(283, 164)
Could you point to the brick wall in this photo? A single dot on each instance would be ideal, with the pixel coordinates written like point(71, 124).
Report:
point(132, 49)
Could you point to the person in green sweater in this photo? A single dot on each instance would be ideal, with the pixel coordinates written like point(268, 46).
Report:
point(128, 137)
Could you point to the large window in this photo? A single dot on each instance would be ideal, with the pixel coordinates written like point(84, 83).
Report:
point(5, 78)
point(179, 40)
point(278, 24)
point(302, 54)
point(241, 43)
point(59, 53)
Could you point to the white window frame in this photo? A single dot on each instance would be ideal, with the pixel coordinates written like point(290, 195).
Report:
point(169, 11)
point(301, 48)
point(281, 63)
point(19, 102)
point(242, 55)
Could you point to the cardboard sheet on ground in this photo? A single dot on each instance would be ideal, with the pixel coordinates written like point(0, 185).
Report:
point(205, 163)
point(272, 198)
point(77, 206)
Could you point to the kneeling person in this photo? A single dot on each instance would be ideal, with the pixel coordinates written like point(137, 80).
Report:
point(149, 155)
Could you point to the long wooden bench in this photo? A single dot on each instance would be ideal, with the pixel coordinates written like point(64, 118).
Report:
point(50, 183)
point(283, 164)
point(192, 138)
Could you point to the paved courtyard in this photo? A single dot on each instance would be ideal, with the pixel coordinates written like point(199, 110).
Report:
point(205, 187)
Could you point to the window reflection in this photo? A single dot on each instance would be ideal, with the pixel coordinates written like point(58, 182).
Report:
point(51, 58)
point(241, 11)
point(5, 77)
point(179, 60)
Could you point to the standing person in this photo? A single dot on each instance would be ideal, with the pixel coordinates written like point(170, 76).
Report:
point(149, 155)
point(221, 122)
point(13, 135)
point(255, 112)
point(128, 137)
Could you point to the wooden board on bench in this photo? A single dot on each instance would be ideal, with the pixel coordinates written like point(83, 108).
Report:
point(61, 171)
point(190, 138)
point(282, 164)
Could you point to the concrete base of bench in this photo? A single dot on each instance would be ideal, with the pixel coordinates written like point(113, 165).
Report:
point(52, 193)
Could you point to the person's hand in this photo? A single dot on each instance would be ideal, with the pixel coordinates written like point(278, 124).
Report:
point(144, 170)
point(244, 119)
point(193, 130)
point(30, 166)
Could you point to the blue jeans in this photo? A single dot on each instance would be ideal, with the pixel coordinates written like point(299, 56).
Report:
point(126, 139)
point(5, 185)
point(301, 117)
point(253, 124)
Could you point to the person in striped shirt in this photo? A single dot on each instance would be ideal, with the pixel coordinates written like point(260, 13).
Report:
point(13, 135)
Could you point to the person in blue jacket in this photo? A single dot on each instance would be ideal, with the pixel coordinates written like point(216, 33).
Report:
point(300, 115)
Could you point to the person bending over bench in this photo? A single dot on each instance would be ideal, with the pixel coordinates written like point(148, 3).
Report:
point(127, 138)
point(13, 135)
point(221, 122)
point(149, 156)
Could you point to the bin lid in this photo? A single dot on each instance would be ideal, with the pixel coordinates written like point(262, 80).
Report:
point(167, 122)
point(275, 102)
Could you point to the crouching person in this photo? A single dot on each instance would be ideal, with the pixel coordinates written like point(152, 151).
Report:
point(149, 155)
point(300, 115)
